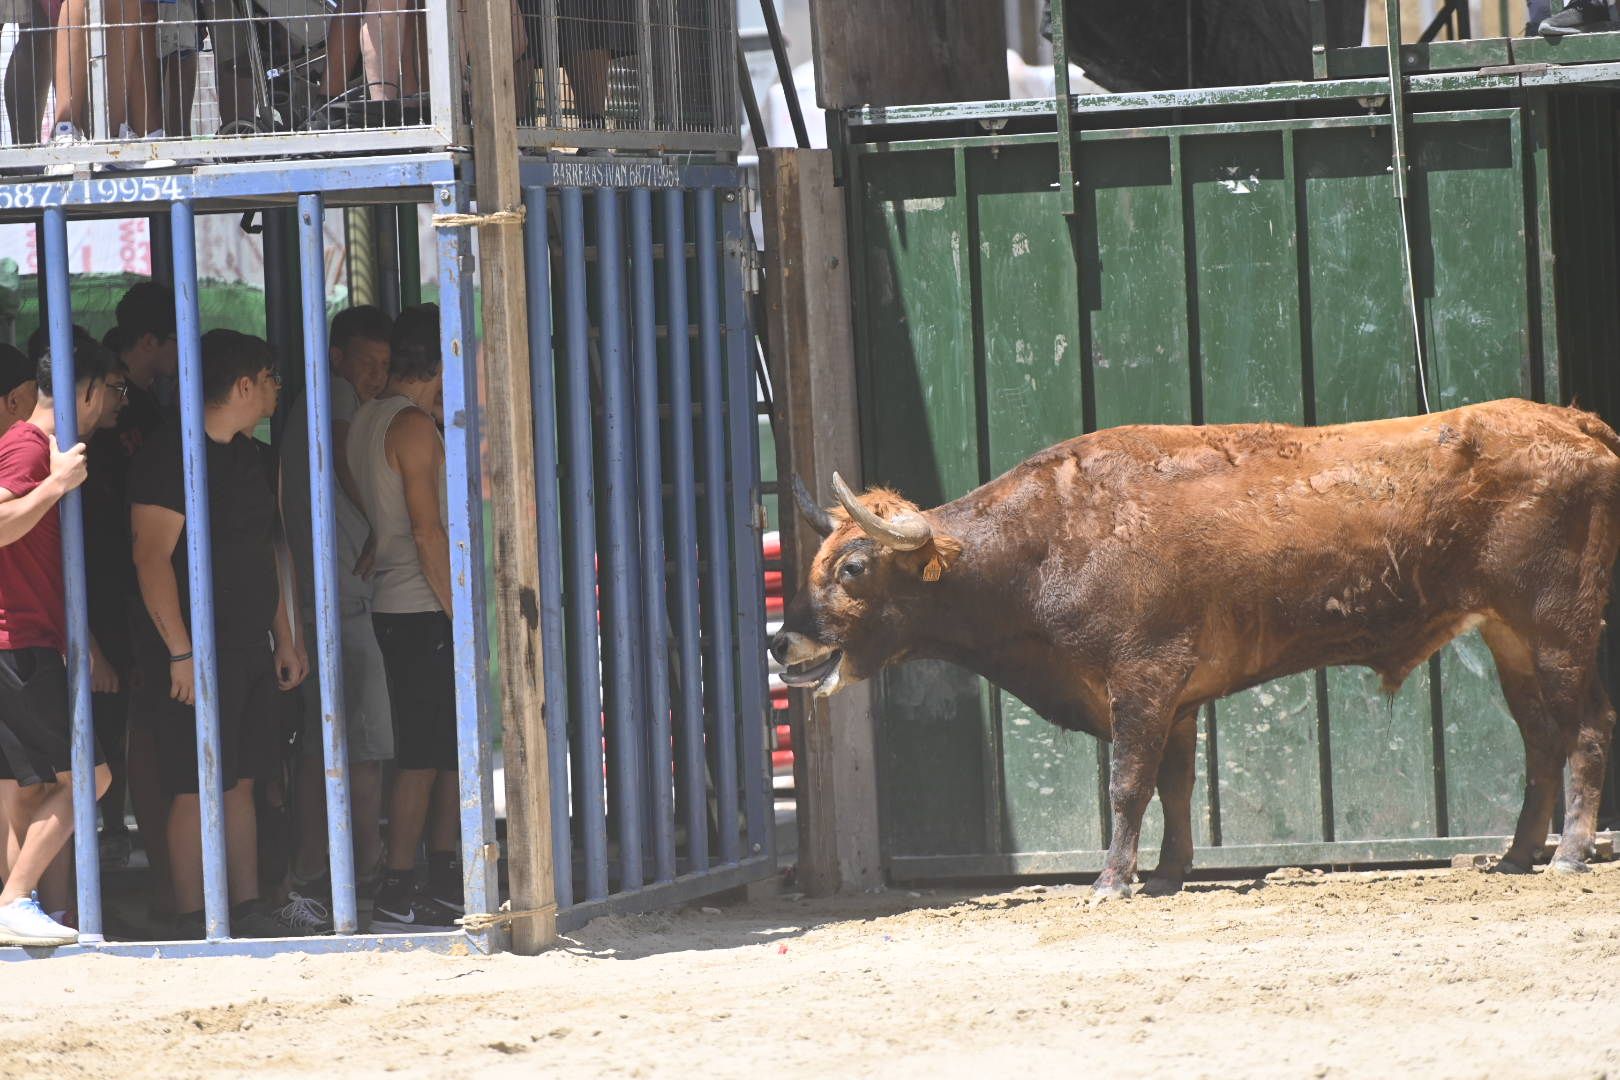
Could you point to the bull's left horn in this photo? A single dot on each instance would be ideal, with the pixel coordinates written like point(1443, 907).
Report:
point(904, 532)
point(819, 519)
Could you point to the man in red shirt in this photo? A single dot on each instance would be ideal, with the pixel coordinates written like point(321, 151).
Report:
point(35, 722)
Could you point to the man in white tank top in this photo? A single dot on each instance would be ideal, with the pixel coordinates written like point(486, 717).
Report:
point(396, 456)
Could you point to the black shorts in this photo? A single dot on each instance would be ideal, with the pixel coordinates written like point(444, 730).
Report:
point(36, 727)
point(419, 657)
point(248, 697)
point(111, 714)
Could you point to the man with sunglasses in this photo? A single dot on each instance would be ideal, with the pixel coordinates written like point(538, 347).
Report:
point(144, 342)
point(254, 647)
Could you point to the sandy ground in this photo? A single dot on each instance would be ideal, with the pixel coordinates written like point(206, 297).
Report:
point(1433, 973)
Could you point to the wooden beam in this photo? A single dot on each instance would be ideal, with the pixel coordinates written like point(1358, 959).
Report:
point(907, 52)
point(817, 430)
point(510, 411)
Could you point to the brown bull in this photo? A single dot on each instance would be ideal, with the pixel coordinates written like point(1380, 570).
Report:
point(1119, 581)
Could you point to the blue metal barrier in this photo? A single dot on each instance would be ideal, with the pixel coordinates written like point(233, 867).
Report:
point(651, 599)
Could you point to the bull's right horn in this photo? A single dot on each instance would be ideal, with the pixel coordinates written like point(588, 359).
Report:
point(813, 512)
point(904, 532)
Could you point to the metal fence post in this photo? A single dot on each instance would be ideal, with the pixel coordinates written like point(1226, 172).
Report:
point(579, 554)
point(617, 577)
point(323, 544)
point(199, 553)
point(464, 490)
point(649, 467)
point(684, 540)
point(63, 389)
point(717, 606)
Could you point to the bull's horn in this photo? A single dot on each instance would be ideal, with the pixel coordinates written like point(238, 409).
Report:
point(905, 532)
point(813, 512)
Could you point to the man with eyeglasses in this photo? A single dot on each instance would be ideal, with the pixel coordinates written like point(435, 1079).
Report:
point(254, 647)
point(144, 341)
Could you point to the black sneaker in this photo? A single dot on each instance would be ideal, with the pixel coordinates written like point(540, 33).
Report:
point(1576, 19)
point(415, 911)
point(303, 915)
point(256, 919)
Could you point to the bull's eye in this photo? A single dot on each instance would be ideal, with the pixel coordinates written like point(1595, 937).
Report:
point(852, 568)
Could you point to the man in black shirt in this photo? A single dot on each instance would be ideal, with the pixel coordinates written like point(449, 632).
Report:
point(144, 341)
point(255, 648)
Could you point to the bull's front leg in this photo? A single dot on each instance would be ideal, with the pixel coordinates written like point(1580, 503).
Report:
point(1141, 726)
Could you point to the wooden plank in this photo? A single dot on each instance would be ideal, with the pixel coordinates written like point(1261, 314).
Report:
point(907, 52)
point(510, 412)
point(817, 432)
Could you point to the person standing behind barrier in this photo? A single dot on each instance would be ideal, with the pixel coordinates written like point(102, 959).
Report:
point(397, 456)
point(36, 724)
point(19, 392)
point(255, 649)
point(359, 350)
point(144, 341)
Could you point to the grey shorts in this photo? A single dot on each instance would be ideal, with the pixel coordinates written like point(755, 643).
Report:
point(366, 710)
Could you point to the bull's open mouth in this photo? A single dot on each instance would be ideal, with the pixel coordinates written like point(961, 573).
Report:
point(815, 672)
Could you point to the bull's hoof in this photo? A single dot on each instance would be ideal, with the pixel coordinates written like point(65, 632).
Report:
point(1161, 886)
point(1507, 866)
point(1101, 894)
point(1567, 865)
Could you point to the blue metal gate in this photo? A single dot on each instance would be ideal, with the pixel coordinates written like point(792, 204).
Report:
point(646, 451)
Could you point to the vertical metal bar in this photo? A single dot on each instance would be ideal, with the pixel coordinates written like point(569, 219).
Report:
point(443, 25)
point(1063, 103)
point(161, 247)
point(622, 667)
point(409, 247)
point(688, 627)
point(718, 612)
point(465, 496)
point(579, 495)
point(323, 541)
point(200, 556)
point(784, 73)
point(1316, 18)
point(63, 388)
point(1397, 128)
point(551, 63)
point(548, 507)
point(748, 556)
point(650, 485)
point(673, 107)
point(646, 105)
point(96, 19)
point(388, 275)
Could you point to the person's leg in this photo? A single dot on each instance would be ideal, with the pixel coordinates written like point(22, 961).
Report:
point(133, 76)
point(407, 816)
point(151, 809)
point(342, 46)
point(588, 83)
point(45, 812)
point(110, 712)
point(310, 858)
point(28, 76)
point(179, 91)
point(185, 854)
point(241, 843)
point(72, 79)
point(395, 28)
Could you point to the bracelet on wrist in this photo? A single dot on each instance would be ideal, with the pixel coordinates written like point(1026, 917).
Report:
point(180, 658)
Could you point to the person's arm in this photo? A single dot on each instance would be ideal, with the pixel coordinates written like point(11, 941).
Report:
point(156, 531)
point(291, 658)
point(413, 443)
point(20, 513)
point(366, 563)
point(103, 676)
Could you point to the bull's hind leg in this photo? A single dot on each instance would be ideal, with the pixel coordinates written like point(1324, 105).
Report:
point(1178, 771)
point(1543, 687)
point(1584, 786)
point(1144, 707)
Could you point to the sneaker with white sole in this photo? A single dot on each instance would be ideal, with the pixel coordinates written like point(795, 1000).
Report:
point(64, 135)
point(24, 922)
point(411, 913)
point(127, 134)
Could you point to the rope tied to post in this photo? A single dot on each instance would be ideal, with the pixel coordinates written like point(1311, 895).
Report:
point(497, 217)
point(504, 916)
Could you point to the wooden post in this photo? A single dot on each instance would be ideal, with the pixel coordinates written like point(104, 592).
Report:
point(817, 430)
point(511, 448)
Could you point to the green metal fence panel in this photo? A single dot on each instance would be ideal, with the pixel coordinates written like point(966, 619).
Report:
point(1246, 268)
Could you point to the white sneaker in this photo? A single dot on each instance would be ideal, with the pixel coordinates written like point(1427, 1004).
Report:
point(127, 135)
point(24, 922)
point(64, 135)
point(304, 915)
